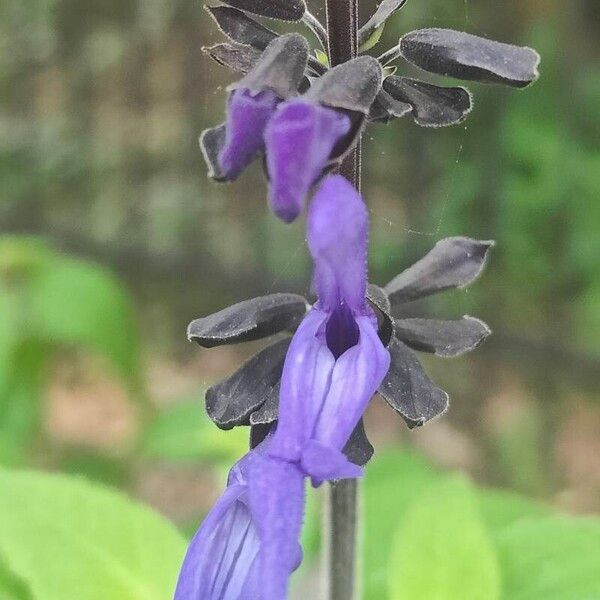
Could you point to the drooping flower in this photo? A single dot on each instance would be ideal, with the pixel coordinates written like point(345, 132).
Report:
point(303, 137)
point(310, 135)
point(247, 546)
point(276, 76)
point(300, 139)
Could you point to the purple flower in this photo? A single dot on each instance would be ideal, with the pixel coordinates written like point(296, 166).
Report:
point(247, 116)
point(336, 360)
point(302, 136)
point(247, 546)
point(300, 139)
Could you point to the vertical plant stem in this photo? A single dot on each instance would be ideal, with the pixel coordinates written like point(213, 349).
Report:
point(341, 534)
point(341, 521)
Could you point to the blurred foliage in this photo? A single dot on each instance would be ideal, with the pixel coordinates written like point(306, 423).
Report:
point(451, 540)
point(49, 302)
point(184, 433)
point(109, 547)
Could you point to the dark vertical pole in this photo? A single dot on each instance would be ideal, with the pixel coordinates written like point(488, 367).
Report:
point(342, 17)
point(342, 29)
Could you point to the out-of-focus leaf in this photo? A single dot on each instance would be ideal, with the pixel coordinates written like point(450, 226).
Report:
point(66, 538)
point(48, 300)
point(77, 302)
point(396, 479)
point(10, 587)
point(20, 396)
point(500, 509)
point(554, 558)
point(441, 549)
point(184, 433)
point(393, 480)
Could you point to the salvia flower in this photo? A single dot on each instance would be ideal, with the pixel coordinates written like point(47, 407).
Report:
point(230, 147)
point(335, 361)
point(304, 136)
point(250, 396)
point(247, 546)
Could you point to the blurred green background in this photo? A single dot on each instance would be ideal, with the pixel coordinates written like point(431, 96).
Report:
point(113, 239)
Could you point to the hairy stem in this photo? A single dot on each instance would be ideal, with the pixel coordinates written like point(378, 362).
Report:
point(341, 523)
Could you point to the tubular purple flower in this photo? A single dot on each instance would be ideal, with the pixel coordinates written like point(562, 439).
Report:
point(300, 139)
point(247, 546)
point(336, 361)
point(247, 116)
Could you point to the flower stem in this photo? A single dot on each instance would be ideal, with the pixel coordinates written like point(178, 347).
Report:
point(342, 31)
point(341, 539)
point(341, 522)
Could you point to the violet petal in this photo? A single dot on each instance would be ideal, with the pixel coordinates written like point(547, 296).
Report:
point(247, 117)
point(299, 140)
point(222, 552)
point(304, 383)
point(355, 378)
point(276, 498)
point(337, 233)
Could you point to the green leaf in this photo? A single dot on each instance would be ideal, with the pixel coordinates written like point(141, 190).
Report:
point(501, 509)
point(10, 587)
point(389, 70)
point(20, 394)
point(184, 433)
point(66, 538)
point(322, 57)
point(373, 39)
point(76, 302)
point(554, 558)
point(393, 480)
point(441, 550)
